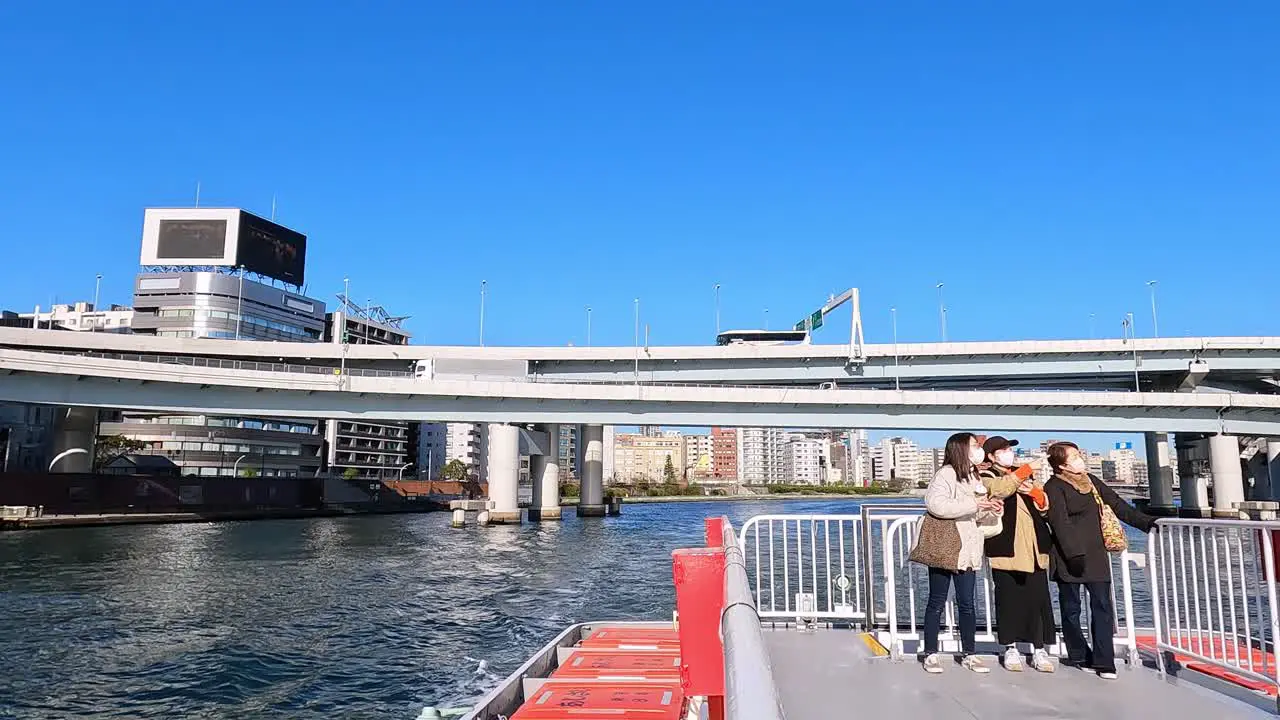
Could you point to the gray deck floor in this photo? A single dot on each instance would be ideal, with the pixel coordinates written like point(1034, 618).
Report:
point(832, 674)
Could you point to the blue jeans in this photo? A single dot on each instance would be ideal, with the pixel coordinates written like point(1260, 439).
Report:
point(940, 582)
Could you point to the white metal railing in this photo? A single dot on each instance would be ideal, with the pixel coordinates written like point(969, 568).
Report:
point(1214, 595)
point(805, 567)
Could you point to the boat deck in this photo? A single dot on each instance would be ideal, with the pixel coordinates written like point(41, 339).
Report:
point(830, 673)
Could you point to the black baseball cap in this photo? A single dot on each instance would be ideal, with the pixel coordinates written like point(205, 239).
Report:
point(996, 442)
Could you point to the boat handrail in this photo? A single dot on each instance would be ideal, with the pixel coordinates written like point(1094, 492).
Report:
point(750, 691)
point(1214, 594)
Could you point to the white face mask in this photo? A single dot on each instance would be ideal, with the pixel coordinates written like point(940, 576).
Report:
point(1005, 458)
point(976, 455)
point(1077, 465)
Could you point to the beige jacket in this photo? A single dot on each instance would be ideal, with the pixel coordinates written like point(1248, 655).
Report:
point(950, 499)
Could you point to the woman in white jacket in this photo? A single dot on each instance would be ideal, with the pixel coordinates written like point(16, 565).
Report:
point(955, 495)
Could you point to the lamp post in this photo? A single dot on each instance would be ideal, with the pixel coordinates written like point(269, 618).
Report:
point(942, 312)
point(766, 319)
point(97, 286)
point(235, 466)
point(637, 308)
point(1093, 333)
point(66, 453)
point(897, 377)
point(1155, 320)
point(588, 326)
point(1132, 336)
point(717, 289)
point(483, 284)
point(400, 472)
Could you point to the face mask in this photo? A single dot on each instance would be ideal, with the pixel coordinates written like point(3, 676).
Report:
point(1077, 465)
point(976, 455)
point(1005, 458)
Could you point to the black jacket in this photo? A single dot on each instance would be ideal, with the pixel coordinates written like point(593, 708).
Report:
point(1078, 554)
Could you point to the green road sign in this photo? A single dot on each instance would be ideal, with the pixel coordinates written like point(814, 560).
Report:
point(802, 325)
point(815, 320)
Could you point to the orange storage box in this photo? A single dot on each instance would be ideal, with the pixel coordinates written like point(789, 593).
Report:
point(621, 665)
point(590, 700)
point(633, 638)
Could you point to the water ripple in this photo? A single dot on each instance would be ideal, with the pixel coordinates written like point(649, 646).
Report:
point(357, 617)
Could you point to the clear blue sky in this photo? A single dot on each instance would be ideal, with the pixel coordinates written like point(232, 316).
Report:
point(1043, 160)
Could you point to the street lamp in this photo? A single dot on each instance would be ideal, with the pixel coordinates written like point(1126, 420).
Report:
point(897, 378)
point(942, 312)
point(97, 286)
point(400, 473)
point(483, 284)
point(66, 453)
point(766, 318)
point(637, 306)
point(588, 326)
point(1093, 333)
point(717, 289)
point(235, 466)
point(1155, 321)
point(1131, 335)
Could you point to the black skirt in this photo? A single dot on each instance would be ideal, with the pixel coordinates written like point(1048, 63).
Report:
point(1024, 613)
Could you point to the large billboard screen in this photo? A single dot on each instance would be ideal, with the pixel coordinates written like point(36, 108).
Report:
point(223, 237)
point(192, 239)
point(265, 248)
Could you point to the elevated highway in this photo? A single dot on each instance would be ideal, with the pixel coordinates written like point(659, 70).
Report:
point(1245, 365)
point(209, 385)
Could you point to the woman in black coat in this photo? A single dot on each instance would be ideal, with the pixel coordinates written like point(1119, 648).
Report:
point(1079, 557)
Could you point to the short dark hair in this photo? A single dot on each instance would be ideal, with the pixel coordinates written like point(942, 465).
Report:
point(957, 455)
point(1058, 453)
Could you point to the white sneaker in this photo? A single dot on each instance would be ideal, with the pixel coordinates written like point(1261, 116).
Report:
point(1108, 675)
point(975, 664)
point(933, 664)
point(1041, 662)
point(1012, 659)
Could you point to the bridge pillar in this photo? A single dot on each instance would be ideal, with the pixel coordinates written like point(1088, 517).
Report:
point(1272, 490)
point(1160, 475)
point(75, 429)
point(1228, 479)
point(591, 499)
point(544, 471)
point(504, 473)
point(1194, 492)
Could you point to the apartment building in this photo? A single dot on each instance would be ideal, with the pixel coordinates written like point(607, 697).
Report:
point(724, 453)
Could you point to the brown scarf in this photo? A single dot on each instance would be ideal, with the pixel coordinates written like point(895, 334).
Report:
point(1080, 481)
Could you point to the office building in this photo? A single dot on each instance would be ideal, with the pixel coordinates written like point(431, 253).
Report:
point(699, 460)
point(221, 273)
point(642, 459)
point(567, 451)
point(897, 461)
point(369, 449)
point(761, 455)
point(805, 460)
point(83, 317)
point(432, 449)
point(1123, 458)
point(724, 453)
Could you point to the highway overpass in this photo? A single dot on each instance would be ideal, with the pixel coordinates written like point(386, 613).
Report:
point(1247, 365)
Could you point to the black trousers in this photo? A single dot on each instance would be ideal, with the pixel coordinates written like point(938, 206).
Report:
point(1102, 623)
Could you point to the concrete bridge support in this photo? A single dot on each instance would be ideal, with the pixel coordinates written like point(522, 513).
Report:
point(1228, 478)
point(544, 471)
point(1160, 475)
point(504, 473)
point(74, 432)
point(591, 498)
point(1191, 453)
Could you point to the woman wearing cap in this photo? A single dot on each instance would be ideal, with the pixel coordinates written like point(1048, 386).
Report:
point(950, 545)
point(1019, 557)
point(1085, 517)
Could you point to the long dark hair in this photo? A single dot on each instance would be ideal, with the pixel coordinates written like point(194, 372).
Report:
point(957, 454)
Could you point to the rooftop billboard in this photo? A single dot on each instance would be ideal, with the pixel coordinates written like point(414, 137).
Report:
point(223, 237)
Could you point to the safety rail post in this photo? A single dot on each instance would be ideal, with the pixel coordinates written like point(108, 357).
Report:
point(750, 691)
point(699, 581)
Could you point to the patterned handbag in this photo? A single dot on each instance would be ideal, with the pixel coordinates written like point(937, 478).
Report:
point(937, 543)
point(1113, 537)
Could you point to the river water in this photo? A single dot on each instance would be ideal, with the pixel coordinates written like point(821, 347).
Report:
point(374, 616)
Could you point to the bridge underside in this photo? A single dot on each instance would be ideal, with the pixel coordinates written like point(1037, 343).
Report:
point(191, 397)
